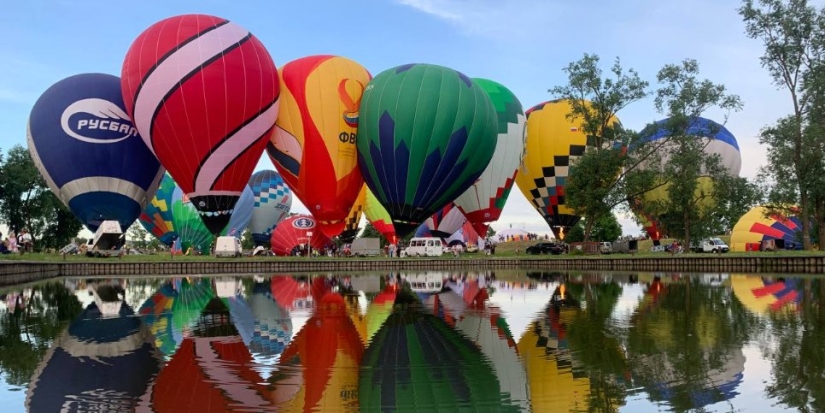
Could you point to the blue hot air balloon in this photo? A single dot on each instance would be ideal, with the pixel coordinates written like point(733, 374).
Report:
point(242, 214)
point(273, 200)
point(89, 152)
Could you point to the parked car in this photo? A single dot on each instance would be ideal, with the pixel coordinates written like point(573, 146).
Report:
point(545, 248)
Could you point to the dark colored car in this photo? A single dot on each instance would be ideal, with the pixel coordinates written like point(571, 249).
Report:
point(545, 248)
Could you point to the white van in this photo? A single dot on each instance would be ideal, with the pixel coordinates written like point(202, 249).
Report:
point(714, 245)
point(228, 247)
point(424, 247)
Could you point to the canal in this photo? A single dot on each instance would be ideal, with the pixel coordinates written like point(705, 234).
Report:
point(491, 340)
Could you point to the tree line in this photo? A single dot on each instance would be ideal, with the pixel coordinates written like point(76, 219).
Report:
point(27, 202)
point(624, 165)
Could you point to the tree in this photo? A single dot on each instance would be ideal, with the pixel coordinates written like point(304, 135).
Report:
point(491, 232)
point(25, 199)
point(792, 34)
point(741, 195)
point(688, 201)
point(247, 242)
point(370, 232)
point(138, 234)
point(597, 186)
point(62, 225)
point(605, 229)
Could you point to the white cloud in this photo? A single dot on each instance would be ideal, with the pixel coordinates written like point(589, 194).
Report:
point(437, 8)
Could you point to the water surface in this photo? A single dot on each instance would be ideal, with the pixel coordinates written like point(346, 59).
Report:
point(497, 341)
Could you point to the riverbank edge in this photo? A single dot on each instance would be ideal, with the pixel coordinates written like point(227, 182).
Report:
point(17, 272)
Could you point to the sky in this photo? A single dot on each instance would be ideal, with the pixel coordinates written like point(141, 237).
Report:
point(522, 44)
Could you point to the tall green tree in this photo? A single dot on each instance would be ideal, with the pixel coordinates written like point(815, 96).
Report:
point(742, 195)
point(598, 184)
point(606, 228)
point(26, 200)
point(688, 202)
point(138, 234)
point(61, 224)
point(792, 34)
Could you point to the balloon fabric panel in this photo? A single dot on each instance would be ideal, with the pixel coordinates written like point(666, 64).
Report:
point(426, 133)
point(483, 202)
point(378, 216)
point(272, 203)
point(313, 145)
point(204, 87)
point(83, 117)
point(157, 217)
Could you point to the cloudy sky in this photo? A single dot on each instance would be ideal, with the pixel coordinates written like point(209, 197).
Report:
point(522, 44)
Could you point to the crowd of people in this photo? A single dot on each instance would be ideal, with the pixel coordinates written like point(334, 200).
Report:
point(16, 243)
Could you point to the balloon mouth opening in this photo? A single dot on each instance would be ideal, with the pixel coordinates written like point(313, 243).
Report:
point(215, 210)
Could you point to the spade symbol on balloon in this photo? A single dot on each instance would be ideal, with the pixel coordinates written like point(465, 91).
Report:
point(203, 93)
point(425, 135)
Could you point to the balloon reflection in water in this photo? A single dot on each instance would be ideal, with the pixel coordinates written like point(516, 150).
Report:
point(416, 362)
point(172, 311)
point(211, 371)
point(490, 332)
point(320, 366)
point(557, 381)
point(761, 295)
point(102, 362)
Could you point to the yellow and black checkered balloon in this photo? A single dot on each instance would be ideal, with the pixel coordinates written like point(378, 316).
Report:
point(553, 141)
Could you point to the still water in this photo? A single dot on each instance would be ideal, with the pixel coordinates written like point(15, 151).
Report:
point(500, 341)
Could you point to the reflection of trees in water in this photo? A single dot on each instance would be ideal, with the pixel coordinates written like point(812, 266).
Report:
point(595, 341)
point(798, 354)
point(26, 335)
point(685, 348)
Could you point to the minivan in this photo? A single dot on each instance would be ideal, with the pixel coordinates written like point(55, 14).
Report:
point(424, 247)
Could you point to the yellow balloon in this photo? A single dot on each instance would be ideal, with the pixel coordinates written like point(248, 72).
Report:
point(553, 142)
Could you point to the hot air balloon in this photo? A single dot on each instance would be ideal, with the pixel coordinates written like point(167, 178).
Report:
point(156, 218)
point(91, 156)
point(192, 230)
point(553, 141)
point(378, 216)
point(243, 214)
point(203, 93)
point(273, 200)
point(425, 135)
point(443, 223)
point(295, 231)
point(757, 226)
point(354, 217)
point(313, 145)
point(482, 203)
point(717, 140)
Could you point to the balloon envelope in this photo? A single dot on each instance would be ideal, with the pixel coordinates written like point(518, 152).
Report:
point(313, 145)
point(553, 141)
point(759, 225)
point(294, 231)
point(157, 218)
point(425, 135)
point(483, 202)
point(443, 223)
point(273, 200)
point(203, 93)
point(91, 156)
point(378, 216)
point(354, 217)
point(717, 140)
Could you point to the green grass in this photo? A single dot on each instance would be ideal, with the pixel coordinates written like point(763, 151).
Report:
point(511, 250)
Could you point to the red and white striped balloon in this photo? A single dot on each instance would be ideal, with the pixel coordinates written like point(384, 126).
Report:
point(203, 93)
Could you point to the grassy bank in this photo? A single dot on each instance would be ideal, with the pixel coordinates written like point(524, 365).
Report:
point(504, 250)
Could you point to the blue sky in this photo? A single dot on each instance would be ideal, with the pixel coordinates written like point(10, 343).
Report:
point(522, 44)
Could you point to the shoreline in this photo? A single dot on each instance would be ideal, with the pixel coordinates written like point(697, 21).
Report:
point(17, 272)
